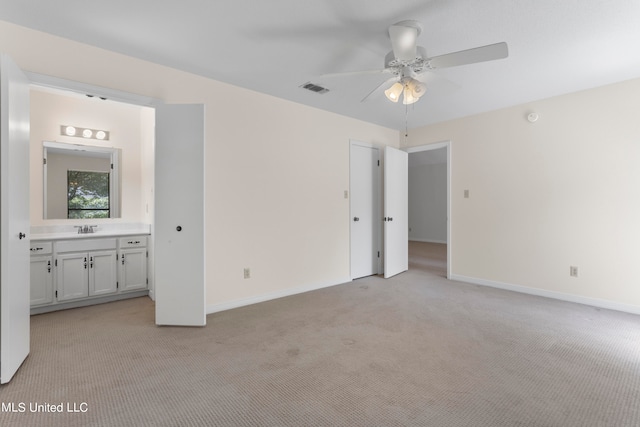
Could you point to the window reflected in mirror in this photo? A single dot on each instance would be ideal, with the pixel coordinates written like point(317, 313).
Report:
point(87, 194)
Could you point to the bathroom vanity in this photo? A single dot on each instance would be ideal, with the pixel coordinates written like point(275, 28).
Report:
point(72, 269)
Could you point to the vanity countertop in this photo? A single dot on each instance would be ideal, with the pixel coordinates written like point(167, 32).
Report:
point(69, 233)
point(96, 235)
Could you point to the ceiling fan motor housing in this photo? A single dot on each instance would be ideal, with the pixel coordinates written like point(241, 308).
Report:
point(417, 65)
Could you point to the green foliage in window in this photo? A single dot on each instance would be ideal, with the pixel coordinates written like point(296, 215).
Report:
point(88, 194)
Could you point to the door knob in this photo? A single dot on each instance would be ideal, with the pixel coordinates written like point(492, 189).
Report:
point(355, 218)
point(179, 228)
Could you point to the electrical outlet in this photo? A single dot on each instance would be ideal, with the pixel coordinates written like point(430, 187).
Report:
point(247, 273)
point(573, 271)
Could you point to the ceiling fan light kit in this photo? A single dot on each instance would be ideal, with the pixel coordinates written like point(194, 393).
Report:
point(409, 88)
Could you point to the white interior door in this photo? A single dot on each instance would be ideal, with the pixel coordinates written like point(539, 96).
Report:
point(14, 218)
point(396, 212)
point(363, 179)
point(179, 216)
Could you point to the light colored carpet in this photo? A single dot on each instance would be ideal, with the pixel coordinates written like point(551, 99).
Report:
point(415, 350)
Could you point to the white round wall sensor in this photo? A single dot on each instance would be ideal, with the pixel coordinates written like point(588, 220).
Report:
point(532, 117)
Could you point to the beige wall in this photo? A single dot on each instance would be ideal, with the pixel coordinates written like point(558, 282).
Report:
point(563, 191)
point(276, 171)
point(428, 202)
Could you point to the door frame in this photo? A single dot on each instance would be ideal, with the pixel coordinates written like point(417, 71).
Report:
point(72, 86)
point(436, 146)
point(377, 214)
point(128, 98)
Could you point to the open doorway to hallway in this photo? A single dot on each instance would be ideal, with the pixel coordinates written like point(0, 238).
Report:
point(429, 208)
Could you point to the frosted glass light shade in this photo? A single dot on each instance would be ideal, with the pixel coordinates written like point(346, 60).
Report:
point(418, 88)
point(394, 92)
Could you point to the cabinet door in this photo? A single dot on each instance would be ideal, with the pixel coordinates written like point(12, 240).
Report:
point(102, 273)
point(133, 269)
point(72, 276)
point(41, 280)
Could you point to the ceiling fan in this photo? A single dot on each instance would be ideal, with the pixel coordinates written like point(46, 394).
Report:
point(409, 62)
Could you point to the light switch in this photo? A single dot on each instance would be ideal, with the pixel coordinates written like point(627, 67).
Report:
point(466, 194)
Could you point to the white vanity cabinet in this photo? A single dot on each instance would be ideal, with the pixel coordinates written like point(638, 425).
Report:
point(41, 273)
point(74, 271)
point(132, 263)
point(85, 268)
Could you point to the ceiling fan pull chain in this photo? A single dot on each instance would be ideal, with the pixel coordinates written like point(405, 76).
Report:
point(406, 120)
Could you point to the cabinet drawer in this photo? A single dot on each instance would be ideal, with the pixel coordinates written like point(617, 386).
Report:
point(132, 242)
point(41, 248)
point(85, 245)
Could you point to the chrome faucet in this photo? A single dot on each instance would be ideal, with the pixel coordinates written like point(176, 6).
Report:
point(84, 229)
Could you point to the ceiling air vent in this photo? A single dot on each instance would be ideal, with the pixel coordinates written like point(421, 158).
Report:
point(314, 88)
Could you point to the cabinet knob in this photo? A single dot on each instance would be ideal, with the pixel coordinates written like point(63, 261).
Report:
point(21, 235)
point(179, 228)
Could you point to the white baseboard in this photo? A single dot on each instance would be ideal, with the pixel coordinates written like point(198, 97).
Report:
point(595, 302)
point(413, 239)
point(272, 295)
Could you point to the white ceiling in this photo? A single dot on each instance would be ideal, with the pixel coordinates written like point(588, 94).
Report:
point(273, 47)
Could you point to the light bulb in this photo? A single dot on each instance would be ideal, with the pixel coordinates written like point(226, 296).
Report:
point(87, 133)
point(394, 92)
point(70, 130)
point(101, 134)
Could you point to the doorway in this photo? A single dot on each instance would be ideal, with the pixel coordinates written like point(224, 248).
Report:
point(430, 207)
point(170, 235)
point(127, 155)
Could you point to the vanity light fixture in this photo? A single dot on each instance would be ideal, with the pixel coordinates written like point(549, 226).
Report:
point(67, 130)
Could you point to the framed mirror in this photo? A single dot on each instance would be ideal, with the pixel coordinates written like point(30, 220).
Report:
point(80, 181)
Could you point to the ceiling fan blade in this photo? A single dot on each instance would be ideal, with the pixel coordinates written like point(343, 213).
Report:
point(379, 89)
point(403, 41)
point(356, 73)
point(436, 83)
point(471, 56)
